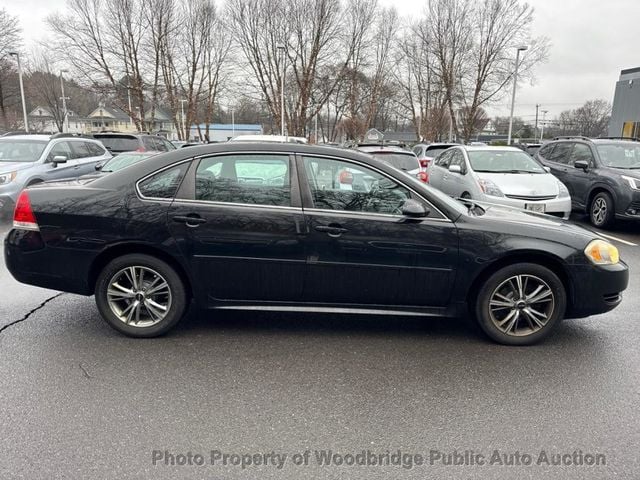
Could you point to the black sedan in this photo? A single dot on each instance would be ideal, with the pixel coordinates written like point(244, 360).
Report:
point(257, 226)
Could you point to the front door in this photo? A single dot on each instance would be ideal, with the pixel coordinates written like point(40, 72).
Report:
point(578, 181)
point(361, 249)
point(239, 223)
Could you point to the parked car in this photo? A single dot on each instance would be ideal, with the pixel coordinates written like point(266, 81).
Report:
point(397, 157)
point(149, 238)
point(29, 159)
point(531, 148)
point(123, 160)
point(269, 138)
point(128, 142)
point(426, 152)
point(501, 175)
point(602, 175)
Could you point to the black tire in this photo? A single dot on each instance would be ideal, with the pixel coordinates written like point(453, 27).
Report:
point(154, 270)
point(526, 330)
point(602, 210)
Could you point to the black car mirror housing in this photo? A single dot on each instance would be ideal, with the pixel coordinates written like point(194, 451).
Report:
point(413, 208)
point(582, 164)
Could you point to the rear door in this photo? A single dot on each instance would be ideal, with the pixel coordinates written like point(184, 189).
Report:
point(362, 250)
point(85, 155)
point(238, 221)
point(438, 169)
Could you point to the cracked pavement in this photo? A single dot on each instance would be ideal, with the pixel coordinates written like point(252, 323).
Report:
point(78, 400)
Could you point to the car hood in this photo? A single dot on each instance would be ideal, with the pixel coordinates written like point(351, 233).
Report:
point(13, 166)
point(544, 225)
point(523, 184)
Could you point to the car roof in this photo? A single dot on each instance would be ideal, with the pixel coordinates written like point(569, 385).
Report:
point(480, 148)
point(384, 149)
point(35, 136)
point(269, 138)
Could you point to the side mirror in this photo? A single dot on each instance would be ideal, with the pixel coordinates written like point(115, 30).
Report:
point(547, 169)
point(59, 159)
point(582, 164)
point(413, 208)
point(99, 166)
point(455, 169)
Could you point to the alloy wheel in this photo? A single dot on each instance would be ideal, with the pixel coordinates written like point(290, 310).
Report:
point(521, 305)
point(599, 211)
point(139, 296)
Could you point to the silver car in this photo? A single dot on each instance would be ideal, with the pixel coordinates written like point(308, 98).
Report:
point(29, 159)
point(499, 175)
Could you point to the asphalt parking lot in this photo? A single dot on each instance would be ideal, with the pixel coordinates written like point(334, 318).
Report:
point(78, 400)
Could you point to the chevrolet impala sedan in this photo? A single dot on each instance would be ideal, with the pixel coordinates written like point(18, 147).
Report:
point(268, 226)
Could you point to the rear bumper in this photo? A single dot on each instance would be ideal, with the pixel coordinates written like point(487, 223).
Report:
point(31, 262)
point(597, 289)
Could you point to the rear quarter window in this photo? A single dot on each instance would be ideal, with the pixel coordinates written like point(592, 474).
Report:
point(163, 184)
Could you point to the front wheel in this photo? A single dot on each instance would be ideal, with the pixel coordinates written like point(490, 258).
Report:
point(140, 295)
point(602, 210)
point(521, 304)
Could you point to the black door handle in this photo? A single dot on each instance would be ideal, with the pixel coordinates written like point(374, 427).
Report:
point(190, 220)
point(331, 230)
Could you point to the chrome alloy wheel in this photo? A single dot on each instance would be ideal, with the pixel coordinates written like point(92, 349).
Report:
point(139, 296)
point(521, 305)
point(599, 211)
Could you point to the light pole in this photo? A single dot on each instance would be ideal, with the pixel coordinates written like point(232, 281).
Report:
point(24, 103)
point(284, 71)
point(233, 122)
point(184, 130)
point(544, 117)
point(64, 102)
point(513, 94)
point(130, 111)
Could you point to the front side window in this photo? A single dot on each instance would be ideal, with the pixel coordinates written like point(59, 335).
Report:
point(581, 152)
point(546, 150)
point(457, 158)
point(61, 149)
point(339, 185)
point(561, 153)
point(163, 184)
point(443, 160)
point(255, 179)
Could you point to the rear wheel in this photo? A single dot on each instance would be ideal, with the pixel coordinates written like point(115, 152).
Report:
point(521, 304)
point(140, 295)
point(602, 210)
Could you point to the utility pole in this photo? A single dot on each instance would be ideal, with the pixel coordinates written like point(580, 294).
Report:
point(513, 93)
point(536, 129)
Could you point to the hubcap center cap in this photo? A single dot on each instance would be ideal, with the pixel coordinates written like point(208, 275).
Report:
point(521, 305)
point(140, 297)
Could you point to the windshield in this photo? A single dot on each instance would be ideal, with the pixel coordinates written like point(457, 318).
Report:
point(503, 161)
point(401, 161)
point(620, 155)
point(119, 143)
point(21, 150)
point(123, 160)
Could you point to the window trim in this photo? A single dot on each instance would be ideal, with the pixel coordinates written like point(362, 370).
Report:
point(307, 197)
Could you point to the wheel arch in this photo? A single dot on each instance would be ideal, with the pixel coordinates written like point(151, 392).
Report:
point(544, 259)
point(119, 250)
point(599, 188)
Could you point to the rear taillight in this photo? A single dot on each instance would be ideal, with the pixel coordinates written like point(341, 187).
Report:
point(423, 177)
point(23, 217)
point(140, 149)
point(424, 162)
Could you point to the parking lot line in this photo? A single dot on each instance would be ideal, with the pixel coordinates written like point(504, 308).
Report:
point(611, 237)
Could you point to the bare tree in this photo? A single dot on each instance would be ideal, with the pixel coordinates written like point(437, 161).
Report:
point(9, 41)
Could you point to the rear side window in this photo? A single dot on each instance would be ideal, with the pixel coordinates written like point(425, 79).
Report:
point(401, 161)
point(80, 149)
point(95, 149)
point(436, 150)
point(561, 153)
point(163, 184)
point(254, 179)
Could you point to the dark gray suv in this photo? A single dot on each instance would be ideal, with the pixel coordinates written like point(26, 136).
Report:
point(602, 175)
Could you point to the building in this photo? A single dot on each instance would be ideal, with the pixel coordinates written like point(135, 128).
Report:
point(41, 120)
point(221, 132)
point(625, 116)
point(111, 119)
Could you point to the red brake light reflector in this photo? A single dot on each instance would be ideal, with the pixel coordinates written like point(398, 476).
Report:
point(424, 163)
point(23, 217)
point(423, 176)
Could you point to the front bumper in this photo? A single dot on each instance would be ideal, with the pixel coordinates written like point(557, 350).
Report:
point(596, 289)
point(560, 207)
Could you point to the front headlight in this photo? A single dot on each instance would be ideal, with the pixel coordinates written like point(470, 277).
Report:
point(563, 192)
point(7, 177)
point(602, 253)
point(490, 188)
point(634, 183)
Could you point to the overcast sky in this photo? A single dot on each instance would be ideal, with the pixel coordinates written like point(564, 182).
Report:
point(592, 40)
